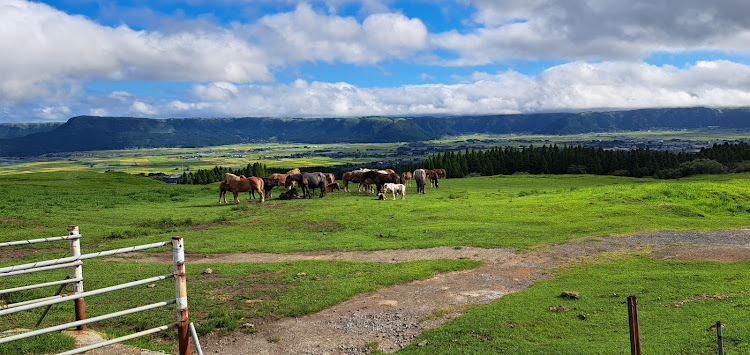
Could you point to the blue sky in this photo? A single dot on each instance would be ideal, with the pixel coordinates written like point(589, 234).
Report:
point(289, 58)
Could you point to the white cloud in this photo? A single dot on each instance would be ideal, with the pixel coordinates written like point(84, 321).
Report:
point(307, 35)
point(604, 29)
point(98, 112)
point(140, 107)
point(573, 86)
point(218, 91)
point(45, 48)
point(393, 31)
point(569, 87)
point(53, 113)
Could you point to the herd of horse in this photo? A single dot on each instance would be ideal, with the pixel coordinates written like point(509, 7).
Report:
point(383, 181)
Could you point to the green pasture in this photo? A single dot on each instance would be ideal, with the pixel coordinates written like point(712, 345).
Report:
point(677, 302)
point(118, 210)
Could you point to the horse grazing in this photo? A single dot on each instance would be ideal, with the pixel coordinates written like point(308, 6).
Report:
point(293, 171)
point(441, 173)
point(334, 186)
point(243, 184)
point(395, 189)
point(433, 176)
point(420, 177)
point(406, 178)
point(353, 176)
point(290, 194)
point(379, 178)
point(308, 181)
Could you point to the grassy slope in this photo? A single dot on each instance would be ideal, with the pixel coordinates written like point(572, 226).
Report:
point(117, 210)
point(597, 323)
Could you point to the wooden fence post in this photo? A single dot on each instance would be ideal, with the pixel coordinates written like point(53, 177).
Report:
point(183, 332)
point(635, 335)
point(77, 271)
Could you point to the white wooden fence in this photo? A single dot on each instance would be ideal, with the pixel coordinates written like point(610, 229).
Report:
point(185, 329)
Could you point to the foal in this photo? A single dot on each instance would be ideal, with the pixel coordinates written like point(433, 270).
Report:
point(395, 189)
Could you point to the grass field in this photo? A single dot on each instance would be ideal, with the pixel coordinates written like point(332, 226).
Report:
point(118, 210)
point(677, 302)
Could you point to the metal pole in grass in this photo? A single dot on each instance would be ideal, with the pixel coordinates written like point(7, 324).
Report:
point(720, 337)
point(77, 271)
point(183, 332)
point(635, 336)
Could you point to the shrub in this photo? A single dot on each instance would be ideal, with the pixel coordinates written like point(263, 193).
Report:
point(702, 166)
point(742, 167)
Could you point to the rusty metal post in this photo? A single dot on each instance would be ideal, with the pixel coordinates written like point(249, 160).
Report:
point(77, 273)
point(183, 323)
point(720, 337)
point(635, 335)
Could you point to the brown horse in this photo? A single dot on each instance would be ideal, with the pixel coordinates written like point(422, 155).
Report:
point(223, 188)
point(441, 173)
point(293, 171)
point(353, 176)
point(334, 186)
point(330, 177)
point(280, 178)
point(243, 184)
point(406, 178)
point(433, 176)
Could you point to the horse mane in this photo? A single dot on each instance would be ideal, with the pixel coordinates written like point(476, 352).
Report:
point(231, 177)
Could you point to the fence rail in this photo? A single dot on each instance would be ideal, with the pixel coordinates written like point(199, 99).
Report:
point(75, 263)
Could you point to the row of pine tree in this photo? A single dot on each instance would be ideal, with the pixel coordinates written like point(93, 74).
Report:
point(720, 158)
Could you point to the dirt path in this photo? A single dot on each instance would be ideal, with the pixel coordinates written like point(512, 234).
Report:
point(393, 316)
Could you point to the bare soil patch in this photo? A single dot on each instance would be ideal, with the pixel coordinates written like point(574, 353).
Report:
point(14, 254)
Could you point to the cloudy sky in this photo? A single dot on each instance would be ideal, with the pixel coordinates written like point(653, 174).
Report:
point(289, 58)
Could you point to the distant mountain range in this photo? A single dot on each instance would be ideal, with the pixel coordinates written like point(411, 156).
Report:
point(101, 133)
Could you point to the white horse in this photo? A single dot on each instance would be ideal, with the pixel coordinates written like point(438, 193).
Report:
point(395, 189)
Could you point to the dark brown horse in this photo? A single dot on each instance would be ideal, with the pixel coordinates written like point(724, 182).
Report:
point(379, 178)
point(308, 182)
point(290, 194)
point(268, 185)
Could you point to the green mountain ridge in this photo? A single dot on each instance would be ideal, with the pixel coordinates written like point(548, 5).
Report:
point(83, 133)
